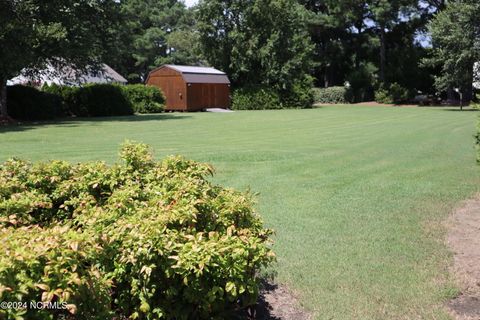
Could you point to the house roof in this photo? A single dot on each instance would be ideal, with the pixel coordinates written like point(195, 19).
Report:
point(193, 74)
point(69, 76)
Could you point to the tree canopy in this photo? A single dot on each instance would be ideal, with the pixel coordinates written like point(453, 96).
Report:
point(256, 41)
point(36, 32)
point(456, 39)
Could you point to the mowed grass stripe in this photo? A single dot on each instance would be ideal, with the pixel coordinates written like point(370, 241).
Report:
point(356, 194)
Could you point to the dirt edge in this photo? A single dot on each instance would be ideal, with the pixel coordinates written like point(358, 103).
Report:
point(463, 239)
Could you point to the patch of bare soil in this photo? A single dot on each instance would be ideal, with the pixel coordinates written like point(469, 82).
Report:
point(276, 302)
point(464, 240)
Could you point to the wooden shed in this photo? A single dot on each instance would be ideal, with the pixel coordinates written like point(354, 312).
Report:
point(191, 88)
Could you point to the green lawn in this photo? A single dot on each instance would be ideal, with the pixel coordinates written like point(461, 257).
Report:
point(356, 194)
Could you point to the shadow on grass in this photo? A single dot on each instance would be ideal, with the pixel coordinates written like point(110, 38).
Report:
point(76, 122)
point(276, 302)
point(464, 110)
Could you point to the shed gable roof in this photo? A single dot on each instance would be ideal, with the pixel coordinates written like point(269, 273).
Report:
point(200, 74)
point(192, 69)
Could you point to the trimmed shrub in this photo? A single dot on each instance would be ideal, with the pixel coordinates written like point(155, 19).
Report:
point(145, 99)
point(140, 239)
point(338, 95)
point(256, 98)
point(101, 100)
point(28, 103)
point(69, 98)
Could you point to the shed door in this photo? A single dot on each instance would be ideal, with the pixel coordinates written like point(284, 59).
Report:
point(174, 92)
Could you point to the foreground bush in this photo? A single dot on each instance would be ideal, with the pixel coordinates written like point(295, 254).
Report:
point(339, 95)
point(28, 103)
point(140, 239)
point(144, 99)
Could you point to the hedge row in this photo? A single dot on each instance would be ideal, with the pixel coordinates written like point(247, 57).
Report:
point(264, 97)
point(27, 103)
point(138, 240)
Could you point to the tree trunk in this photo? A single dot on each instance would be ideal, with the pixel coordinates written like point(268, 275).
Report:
point(383, 56)
point(325, 78)
point(3, 98)
point(357, 44)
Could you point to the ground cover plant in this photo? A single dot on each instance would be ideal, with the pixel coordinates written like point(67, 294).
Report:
point(355, 194)
point(141, 239)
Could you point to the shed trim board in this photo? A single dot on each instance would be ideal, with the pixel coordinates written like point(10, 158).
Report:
point(188, 88)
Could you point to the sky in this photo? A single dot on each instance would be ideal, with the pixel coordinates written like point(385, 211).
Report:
point(190, 3)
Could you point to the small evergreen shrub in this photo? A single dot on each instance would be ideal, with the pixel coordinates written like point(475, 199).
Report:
point(393, 94)
point(361, 82)
point(140, 239)
point(339, 95)
point(400, 94)
point(28, 103)
point(145, 99)
point(300, 96)
point(256, 98)
point(382, 95)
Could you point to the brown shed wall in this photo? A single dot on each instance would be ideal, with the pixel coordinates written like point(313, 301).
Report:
point(207, 95)
point(181, 96)
point(173, 86)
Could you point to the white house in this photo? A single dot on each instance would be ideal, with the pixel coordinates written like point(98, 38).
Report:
point(68, 76)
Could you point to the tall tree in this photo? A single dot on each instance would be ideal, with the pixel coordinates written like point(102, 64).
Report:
point(385, 14)
point(36, 32)
point(256, 41)
point(154, 32)
point(456, 45)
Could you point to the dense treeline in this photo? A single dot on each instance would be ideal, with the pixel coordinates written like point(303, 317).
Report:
point(281, 45)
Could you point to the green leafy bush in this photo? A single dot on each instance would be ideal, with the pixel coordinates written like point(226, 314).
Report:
point(299, 96)
point(382, 95)
point(331, 95)
point(28, 103)
point(140, 239)
point(145, 99)
point(361, 82)
point(393, 94)
point(256, 98)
